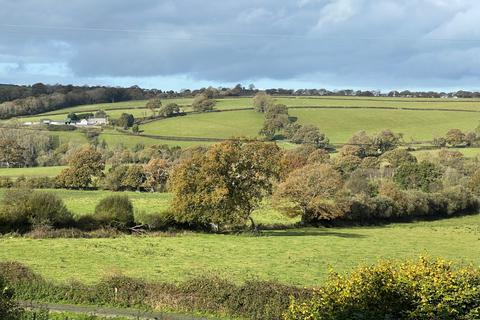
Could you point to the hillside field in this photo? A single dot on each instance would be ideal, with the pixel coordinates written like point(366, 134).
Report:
point(338, 117)
point(300, 256)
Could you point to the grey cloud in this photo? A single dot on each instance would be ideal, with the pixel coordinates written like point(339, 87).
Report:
point(383, 43)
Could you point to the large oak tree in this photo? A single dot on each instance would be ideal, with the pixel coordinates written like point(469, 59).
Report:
point(224, 185)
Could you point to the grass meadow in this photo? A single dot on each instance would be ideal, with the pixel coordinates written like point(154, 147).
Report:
point(31, 172)
point(339, 124)
point(210, 125)
point(81, 202)
point(296, 256)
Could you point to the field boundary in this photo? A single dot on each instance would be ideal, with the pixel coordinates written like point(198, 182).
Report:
point(107, 312)
point(56, 113)
point(384, 108)
point(398, 99)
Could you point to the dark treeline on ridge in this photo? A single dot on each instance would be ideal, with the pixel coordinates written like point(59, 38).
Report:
point(21, 100)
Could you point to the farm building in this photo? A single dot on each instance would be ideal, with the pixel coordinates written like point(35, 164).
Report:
point(91, 122)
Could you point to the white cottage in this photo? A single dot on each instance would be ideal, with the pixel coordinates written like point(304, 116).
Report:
point(97, 121)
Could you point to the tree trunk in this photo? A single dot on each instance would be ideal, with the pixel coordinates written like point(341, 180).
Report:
point(253, 226)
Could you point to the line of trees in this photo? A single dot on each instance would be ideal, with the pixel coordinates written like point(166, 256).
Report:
point(39, 98)
point(371, 180)
point(18, 100)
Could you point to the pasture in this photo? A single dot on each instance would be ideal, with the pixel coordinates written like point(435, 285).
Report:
point(340, 125)
point(300, 256)
point(295, 256)
point(31, 172)
point(339, 117)
point(209, 125)
point(81, 202)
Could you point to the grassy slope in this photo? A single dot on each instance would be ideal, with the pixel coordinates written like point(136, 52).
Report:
point(299, 257)
point(31, 172)
point(338, 124)
point(114, 138)
point(467, 152)
point(211, 125)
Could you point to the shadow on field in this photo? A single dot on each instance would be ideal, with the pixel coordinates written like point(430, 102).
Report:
point(320, 233)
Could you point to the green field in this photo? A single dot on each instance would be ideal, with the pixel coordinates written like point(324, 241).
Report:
point(297, 256)
point(361, 113)
point(81, 203)
point(340, 125)
point(382, 102)
point(210, 125)
point(31, 172)
point(467, 152)
point(114, 139)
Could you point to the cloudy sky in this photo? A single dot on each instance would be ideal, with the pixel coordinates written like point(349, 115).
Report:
point(370, 44)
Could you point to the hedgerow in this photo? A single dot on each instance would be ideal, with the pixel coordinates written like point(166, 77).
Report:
point(254, 299)
point(424, 288)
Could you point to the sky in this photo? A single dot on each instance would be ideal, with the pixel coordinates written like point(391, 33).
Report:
point(177, 44)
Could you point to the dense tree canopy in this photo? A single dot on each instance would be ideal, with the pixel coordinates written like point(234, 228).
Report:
point(202, 103)
point(262, 101)
point(169, 110)
point(276, 119)
point(423, 175)
point(309, 134)
point(84, 165)
point(224, 185)
point(154, 104)
point(126, 120)
point(311, 192)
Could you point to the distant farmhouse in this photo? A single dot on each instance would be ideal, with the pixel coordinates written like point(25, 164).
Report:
point(90, 122)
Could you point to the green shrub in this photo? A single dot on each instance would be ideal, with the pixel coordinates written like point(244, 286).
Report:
point(207, 293)
point(263, 299)
point(422, 289)
point(26, 208)
point(113, 179)
point(115, 211)
point(34, 182)
point(6, 182)
point(48, 209)
point(252, 300)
